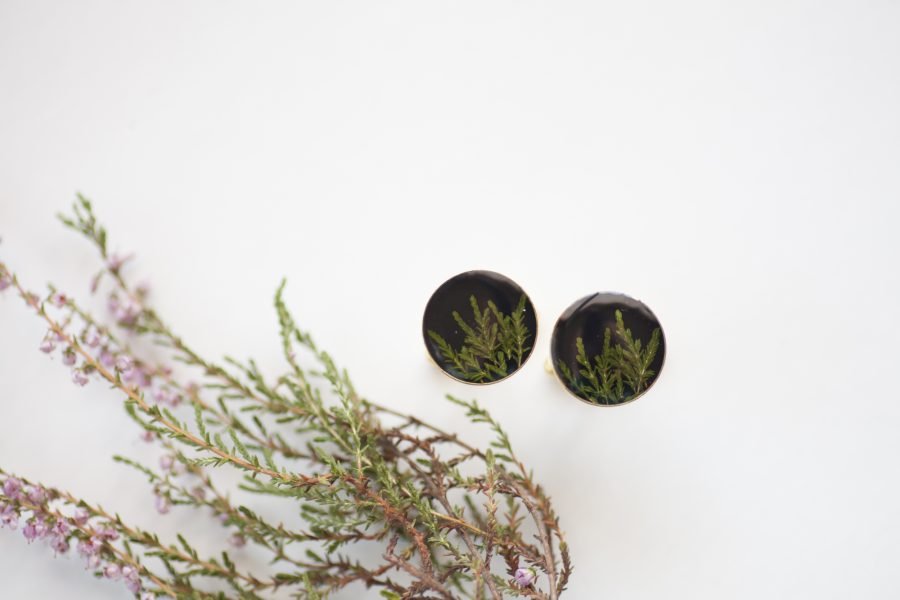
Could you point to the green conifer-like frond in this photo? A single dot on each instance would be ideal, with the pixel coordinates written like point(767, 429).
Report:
point(620, 372)
point(494, 346)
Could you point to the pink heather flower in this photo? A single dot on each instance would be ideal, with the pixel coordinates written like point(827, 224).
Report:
point(32, 299)
point(525, 577)
point(69, 357)
point(60, 527)
point(81, 517)
point(167, 396)
point(47, 346)
point(9, 517)
point(237, 540)
point(112, 571)
point(36, 528)
point(5, 280)
point(107, 533)
point(161, 396)
point(166, 462)
point(42, 527)
point(124, 363)
point(223, 518)
point(132, 579)
point(162, 505)
point(88, 548)
point(37, 495)
point(59, 543)
point(12, 487)
point(123, 316)
point(127, 311)
point(137, 376)
point(58, 299)
point(93, 338)
point(130, 375)
point(107, 358)
point(148, 436)
point(147, 596)
point(79, 377)
point(199, 493)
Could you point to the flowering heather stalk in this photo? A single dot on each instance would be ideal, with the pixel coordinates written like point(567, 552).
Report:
point(449, 520)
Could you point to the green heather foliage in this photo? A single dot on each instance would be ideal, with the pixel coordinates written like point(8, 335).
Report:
point(495, 340)
point(620, 372)
point(445, 518)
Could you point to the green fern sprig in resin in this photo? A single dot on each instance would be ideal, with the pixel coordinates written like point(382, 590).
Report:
point(495, 343)
point(621, 370)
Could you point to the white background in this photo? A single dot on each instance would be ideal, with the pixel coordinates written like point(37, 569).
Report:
point(734, 165)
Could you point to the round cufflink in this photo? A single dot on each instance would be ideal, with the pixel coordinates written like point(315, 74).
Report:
point(607, 349)
point(479, 327)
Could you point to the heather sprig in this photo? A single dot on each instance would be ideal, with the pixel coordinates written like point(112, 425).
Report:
point(103, 541)
point(450, 520)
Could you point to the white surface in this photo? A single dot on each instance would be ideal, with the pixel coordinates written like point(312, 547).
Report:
point(734, 165)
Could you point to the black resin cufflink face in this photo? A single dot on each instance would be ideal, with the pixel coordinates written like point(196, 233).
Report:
point(607, 349)
point(479, 327)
